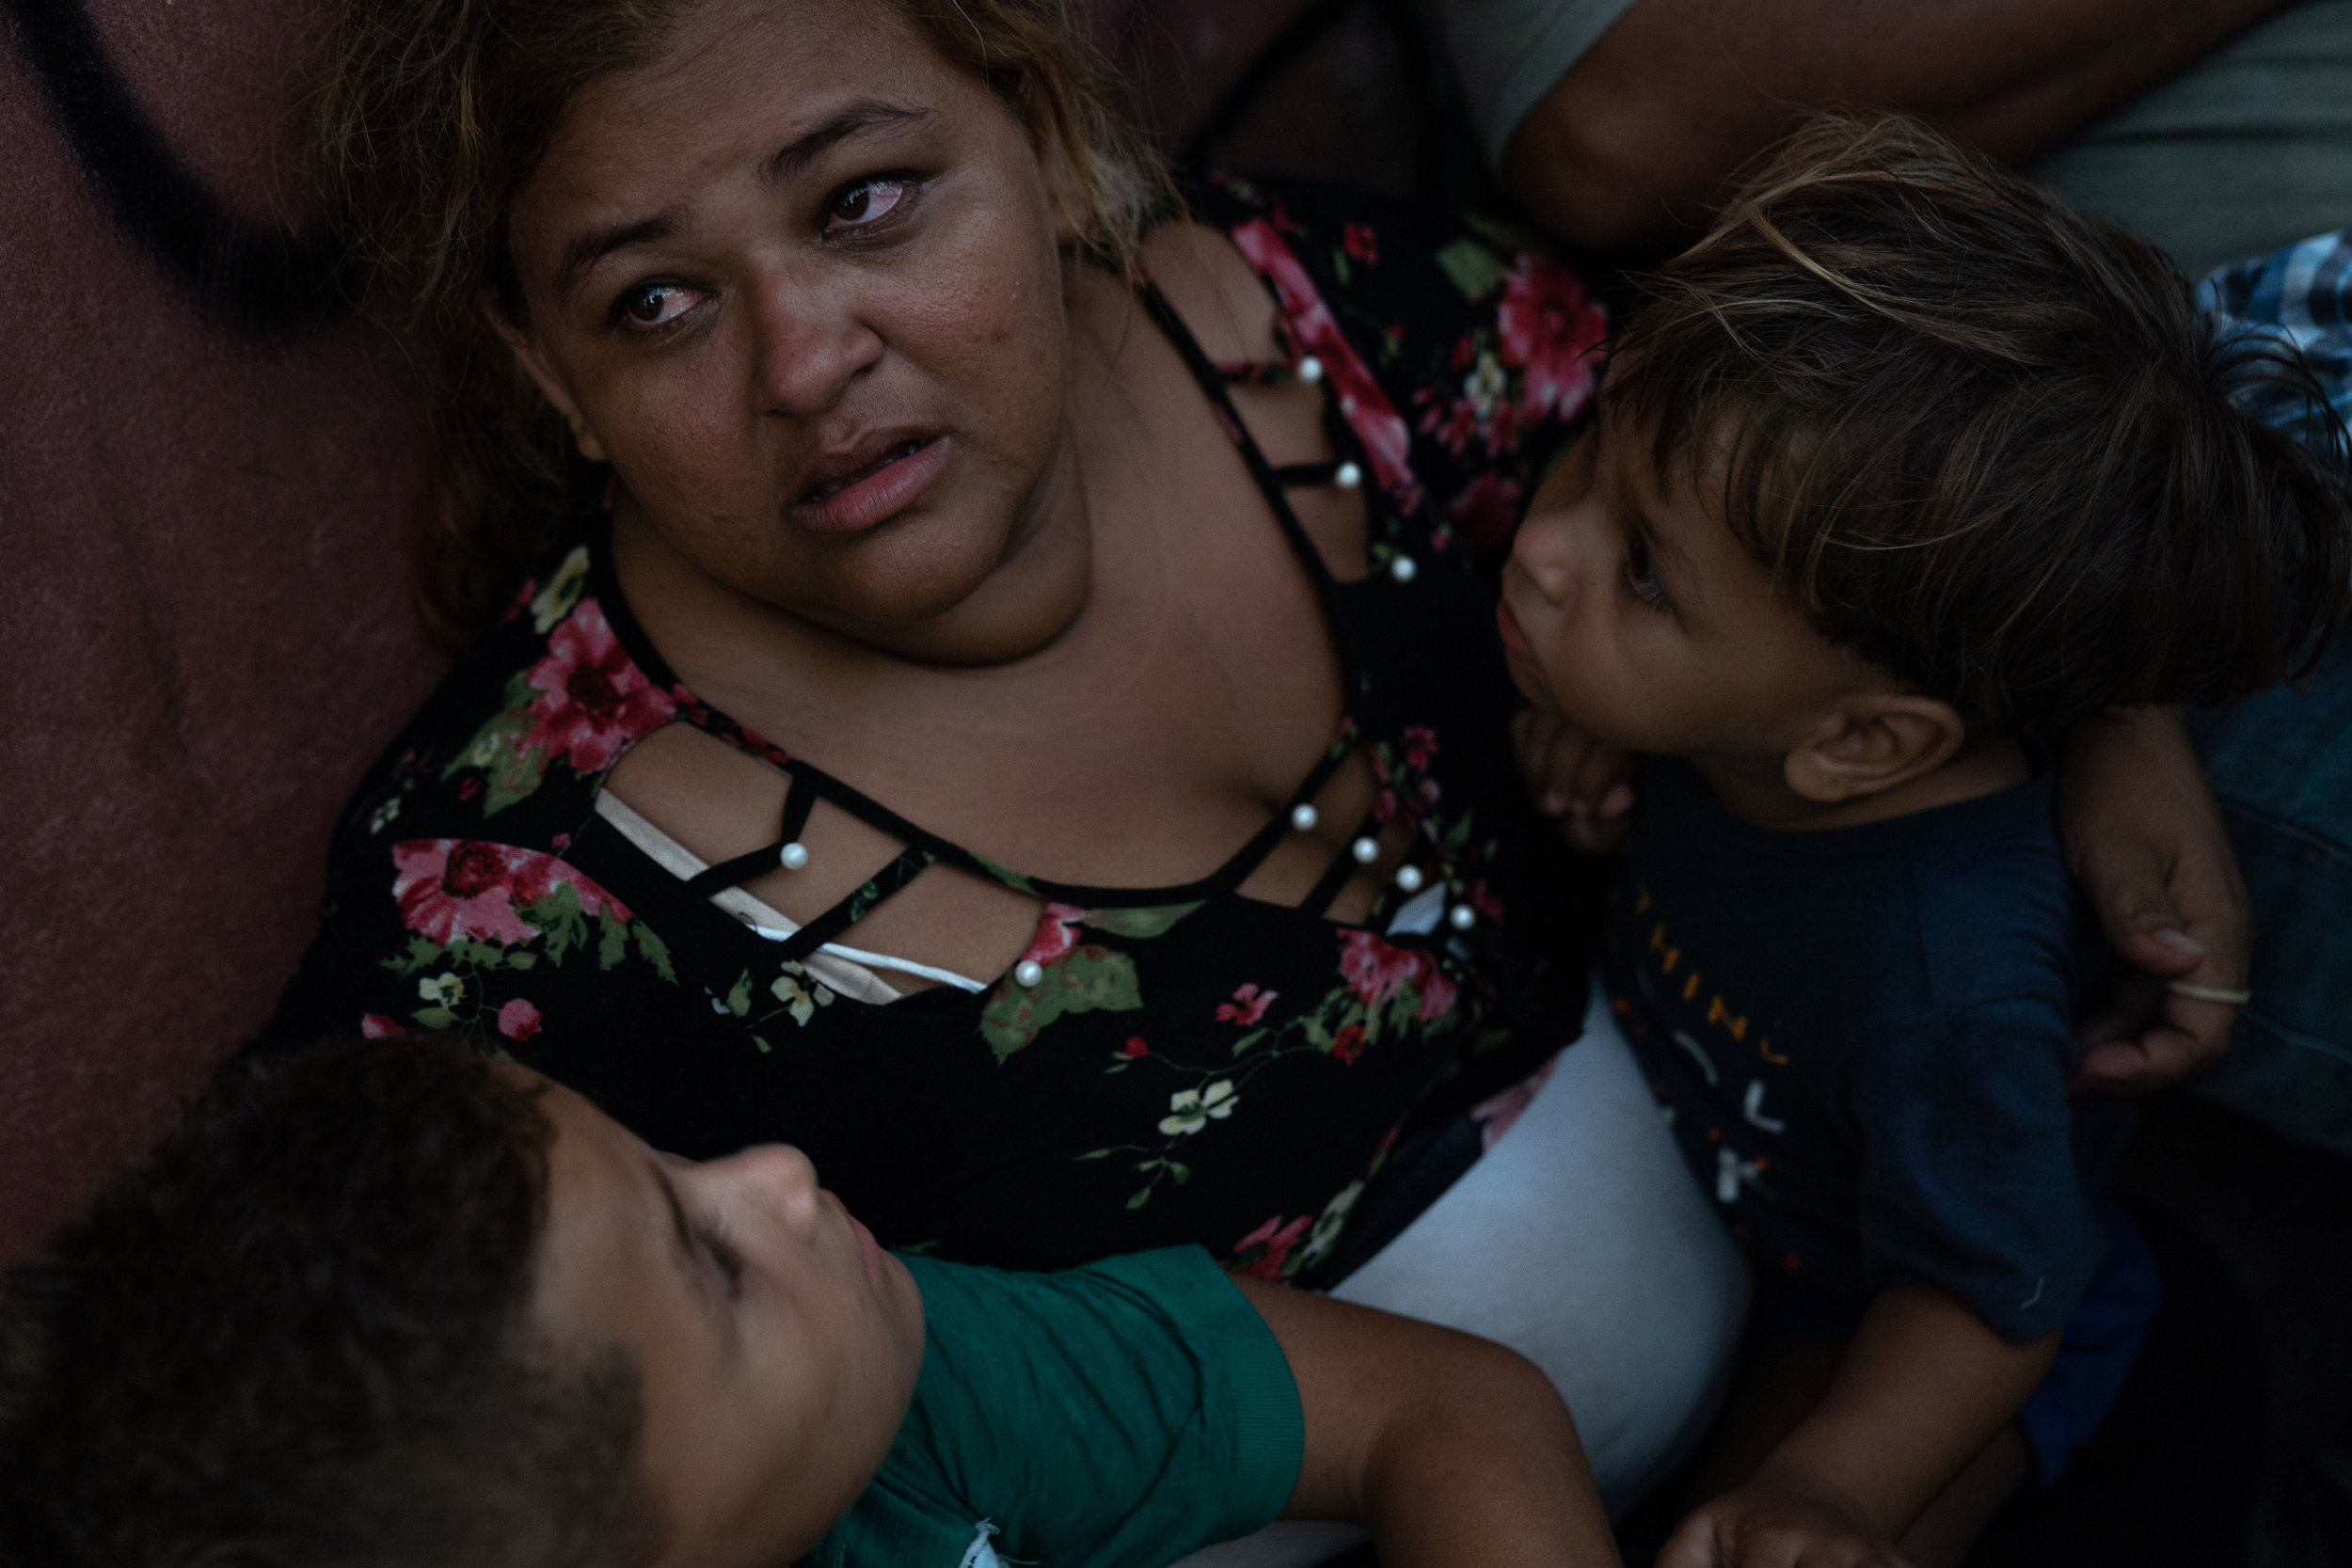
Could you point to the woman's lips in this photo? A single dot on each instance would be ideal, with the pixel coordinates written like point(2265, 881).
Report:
point(877, 493)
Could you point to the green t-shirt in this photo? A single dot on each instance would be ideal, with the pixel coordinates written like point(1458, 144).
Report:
point(1117, 1416)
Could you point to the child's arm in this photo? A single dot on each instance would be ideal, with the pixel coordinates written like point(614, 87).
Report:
point(1449, 1448)
point(1925, 1386)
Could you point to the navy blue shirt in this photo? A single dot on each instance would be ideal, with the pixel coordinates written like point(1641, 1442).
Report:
point(1859, 1037)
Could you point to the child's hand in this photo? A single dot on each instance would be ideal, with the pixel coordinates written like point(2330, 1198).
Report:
point(1779, 1524)
point(1586, 783)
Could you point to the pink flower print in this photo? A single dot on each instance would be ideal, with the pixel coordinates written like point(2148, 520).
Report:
point(1495, 1115)
point(1437, 992)
point(1274, 1242)
point(1057, 934)
point(519, 1020)
point(1360, 241)
point(1247, 1007)
point(594, 703)
point(1374, 969)
point(1387, 442)
point(1134, 1048)
point(1486, 512)
point(1550, 331)
point(450, 888)
point(1421, 746)
point(1348, 1043)
point(376, 1026)
point(1482, 899)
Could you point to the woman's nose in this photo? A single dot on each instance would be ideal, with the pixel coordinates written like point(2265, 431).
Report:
point(810, 346)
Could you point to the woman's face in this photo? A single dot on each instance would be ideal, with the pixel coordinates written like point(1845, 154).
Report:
point(800, 281)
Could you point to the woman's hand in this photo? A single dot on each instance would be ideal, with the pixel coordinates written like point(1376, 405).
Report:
point(1584, 782)
point(2146, 843)
point(1770, 1524)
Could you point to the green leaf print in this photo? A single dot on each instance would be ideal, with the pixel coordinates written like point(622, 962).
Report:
point(433, 1018)
point(611, 939)
point(653, 950)
point(1141, 924)
point(1473, 268)
point(739, 995)
point(1082, 980)
point(561, 917)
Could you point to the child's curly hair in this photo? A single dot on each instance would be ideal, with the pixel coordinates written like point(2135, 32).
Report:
point(1986, 442)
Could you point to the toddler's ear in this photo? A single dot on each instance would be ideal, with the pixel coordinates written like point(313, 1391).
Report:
point(1873, 741)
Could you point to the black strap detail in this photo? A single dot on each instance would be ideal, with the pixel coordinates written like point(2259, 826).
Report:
point(911, 863)
point(1204, 370)
point(1256, 372)
point(1344, 865)
point(798, 802)
point(734, 873)
point(1298, 475)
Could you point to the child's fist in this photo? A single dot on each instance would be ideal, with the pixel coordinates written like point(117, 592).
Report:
point(1586, 783)
point(1768, 1525)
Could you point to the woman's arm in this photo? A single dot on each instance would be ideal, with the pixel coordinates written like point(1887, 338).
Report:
point(1449, 1448)
point(2146, 843)
point(1626, 149)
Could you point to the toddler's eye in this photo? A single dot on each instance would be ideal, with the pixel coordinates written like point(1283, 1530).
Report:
point(651, 305)
point(865, 202)
point(1641, 573)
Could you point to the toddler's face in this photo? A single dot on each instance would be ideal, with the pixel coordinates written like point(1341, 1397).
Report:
point(777, 1344)
point(1635, 614)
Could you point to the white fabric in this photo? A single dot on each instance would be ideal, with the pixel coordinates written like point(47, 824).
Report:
point(849, 970)
point(1579, 1241)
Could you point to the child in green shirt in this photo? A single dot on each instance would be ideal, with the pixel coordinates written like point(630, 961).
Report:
point(384, 1304)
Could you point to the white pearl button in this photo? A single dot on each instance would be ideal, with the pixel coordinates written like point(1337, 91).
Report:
point(1304, 818)
point(1366, 850)
point(1404, 568)
point(1461, 917)
point(1311, 370)
point(1348, 476)
point(794, 855)
point(1408, 877)
point(1028, 972)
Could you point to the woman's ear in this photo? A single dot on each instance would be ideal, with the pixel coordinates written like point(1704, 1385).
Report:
point(1871, 742)
point(1065, 191)
point(535, 364)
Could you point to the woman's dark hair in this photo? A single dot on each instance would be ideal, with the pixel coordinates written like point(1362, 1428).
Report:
point(1986, 442)
point(296, 1332)
point(432, 115)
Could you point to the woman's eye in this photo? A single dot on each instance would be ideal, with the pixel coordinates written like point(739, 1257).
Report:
point(1641, 573)
point(867, 201)
point(655, 304)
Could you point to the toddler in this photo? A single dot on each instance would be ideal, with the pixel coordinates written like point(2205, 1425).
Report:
point(391, 1303)
point(1898, 473)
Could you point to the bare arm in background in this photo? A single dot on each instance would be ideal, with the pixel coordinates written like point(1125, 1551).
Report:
point(1626, 149)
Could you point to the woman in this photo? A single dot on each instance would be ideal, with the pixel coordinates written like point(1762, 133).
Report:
point(1016, 713)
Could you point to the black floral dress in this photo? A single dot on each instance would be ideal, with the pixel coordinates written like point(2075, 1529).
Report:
point(1163, 1065)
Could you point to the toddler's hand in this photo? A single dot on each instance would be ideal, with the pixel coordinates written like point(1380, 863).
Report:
point(1587, 784)
point(1768, 1525)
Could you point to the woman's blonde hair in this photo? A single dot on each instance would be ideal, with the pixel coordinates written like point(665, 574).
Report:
point(432, 115)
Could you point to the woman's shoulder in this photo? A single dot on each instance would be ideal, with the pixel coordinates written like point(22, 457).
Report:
point(1482, 341)
point(511, 746)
